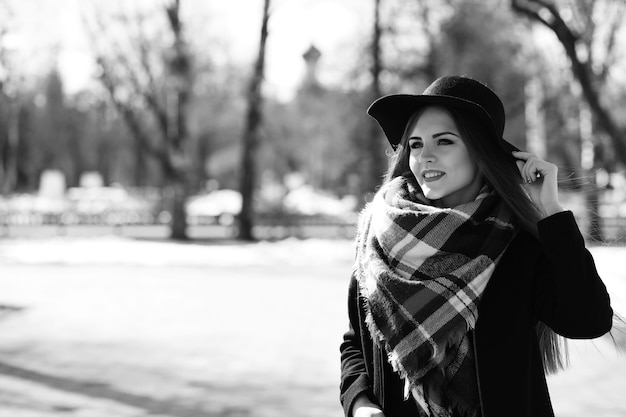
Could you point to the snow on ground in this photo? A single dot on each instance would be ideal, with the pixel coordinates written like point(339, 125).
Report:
point(112, 250)
point(172, 329)
point(120, 327)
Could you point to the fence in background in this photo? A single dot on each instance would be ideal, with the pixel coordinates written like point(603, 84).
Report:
point(156, 225)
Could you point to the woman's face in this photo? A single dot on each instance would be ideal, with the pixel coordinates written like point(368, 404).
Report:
point(440, 160)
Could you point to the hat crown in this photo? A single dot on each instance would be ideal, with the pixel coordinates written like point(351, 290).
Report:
point(471, 91)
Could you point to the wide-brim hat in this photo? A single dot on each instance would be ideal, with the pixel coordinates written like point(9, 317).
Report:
point(393, 112)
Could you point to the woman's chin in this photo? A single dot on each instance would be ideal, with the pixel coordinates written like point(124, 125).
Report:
point(432, 195)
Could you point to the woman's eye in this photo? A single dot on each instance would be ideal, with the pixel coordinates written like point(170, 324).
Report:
point(415, 144)
point(445, 142)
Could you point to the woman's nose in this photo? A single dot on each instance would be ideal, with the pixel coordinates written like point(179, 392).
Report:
point(427, 154)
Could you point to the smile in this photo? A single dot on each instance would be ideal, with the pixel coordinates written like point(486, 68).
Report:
point(432, 175)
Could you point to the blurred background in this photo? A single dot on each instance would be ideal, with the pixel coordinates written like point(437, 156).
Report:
point(180, 180)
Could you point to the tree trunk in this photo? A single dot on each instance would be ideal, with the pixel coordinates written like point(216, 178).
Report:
point(201, 155)
point(254, 119)
point(179, 155)
point(9, 175)
point(375, 146)
point(179, 213)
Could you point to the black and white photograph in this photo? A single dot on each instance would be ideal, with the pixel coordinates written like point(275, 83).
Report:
point(312, 208)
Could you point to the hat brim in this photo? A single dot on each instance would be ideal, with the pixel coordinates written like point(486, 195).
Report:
point(393, 112)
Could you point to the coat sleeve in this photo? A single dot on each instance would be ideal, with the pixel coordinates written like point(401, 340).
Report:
point(355, 379)
point(570, 296)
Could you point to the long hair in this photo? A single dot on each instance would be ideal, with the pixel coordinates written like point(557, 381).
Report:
point(500, 173)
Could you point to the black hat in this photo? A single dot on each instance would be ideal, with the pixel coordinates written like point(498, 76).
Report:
point(393, 112)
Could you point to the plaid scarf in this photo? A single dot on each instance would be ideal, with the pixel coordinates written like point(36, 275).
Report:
point(422, 271)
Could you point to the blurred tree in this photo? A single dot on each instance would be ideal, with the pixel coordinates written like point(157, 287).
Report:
point(105, 143)
point(11, 106)
point(481, 39)
point(251, 135)
point(149, 80)
point(39, 132)
point(576, 25)
point(216, 118)
point(374, 163)
point(307, 136)
point(412, 47)
point(27, 177)
point(425, 39)
point(577, 34)
point(11, 110)
point(366, 163)
point(56, 131)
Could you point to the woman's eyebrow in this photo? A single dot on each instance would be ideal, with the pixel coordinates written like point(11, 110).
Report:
point(436, 135)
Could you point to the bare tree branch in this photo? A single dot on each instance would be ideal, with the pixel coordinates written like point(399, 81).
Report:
point(617, 20)
point(581, 67)
point(126, 111)
point(150, 92)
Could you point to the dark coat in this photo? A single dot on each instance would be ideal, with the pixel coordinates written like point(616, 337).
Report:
point(553, 280)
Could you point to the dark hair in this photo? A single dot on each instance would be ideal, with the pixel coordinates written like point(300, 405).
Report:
point(502, 175)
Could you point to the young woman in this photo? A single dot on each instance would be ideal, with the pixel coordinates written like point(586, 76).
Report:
point(466, 267)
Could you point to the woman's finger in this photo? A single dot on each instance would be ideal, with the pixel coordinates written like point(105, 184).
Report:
point(532, 170)
point(521, 166)
point(522, 155)
point(532, 167)
point(526, 170)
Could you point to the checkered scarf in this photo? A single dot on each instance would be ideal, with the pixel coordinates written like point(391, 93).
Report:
point(422, 271)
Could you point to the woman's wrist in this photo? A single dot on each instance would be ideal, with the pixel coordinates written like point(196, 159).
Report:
point(550, 209)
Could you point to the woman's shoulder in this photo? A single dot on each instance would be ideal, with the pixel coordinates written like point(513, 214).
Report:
point(524, 246)
point(557, 235)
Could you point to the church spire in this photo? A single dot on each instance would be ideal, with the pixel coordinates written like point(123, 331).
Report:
point(311, 58)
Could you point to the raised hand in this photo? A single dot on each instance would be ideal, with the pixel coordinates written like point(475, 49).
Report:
point(540, 182)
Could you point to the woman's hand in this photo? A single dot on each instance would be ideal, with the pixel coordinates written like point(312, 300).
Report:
point(367, 412)
point(363, 407)
point(540, 181)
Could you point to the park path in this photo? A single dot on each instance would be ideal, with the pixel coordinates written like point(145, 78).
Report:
point(118, 327)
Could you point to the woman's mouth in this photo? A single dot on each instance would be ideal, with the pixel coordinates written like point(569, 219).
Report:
point(430, 176)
